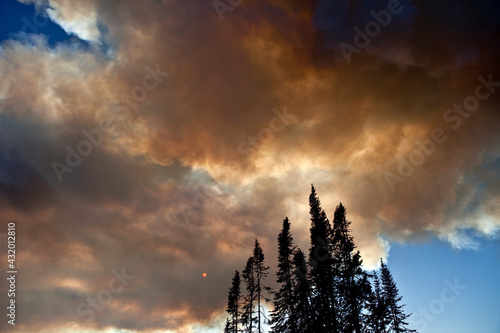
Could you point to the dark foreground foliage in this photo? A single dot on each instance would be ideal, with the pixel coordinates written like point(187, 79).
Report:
point(326, 292)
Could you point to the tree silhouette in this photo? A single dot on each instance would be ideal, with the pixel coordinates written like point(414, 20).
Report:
point(233, 305)
point(352, 285)
point(390, 293)
point(377, 318)
point(283, 318)
point(328, 292)
point(261, 272)
point(324, 317)
point(248, 275)
point(301, 294)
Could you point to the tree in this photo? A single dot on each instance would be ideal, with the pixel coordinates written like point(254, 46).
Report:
point(352, 287)
point(248, 274)
point(321, 274)
point(233, 305)
point(301, 294)
point(376, 320)
point(283, 317)
point(390, 293)
point(261, 272)
point(328, 291)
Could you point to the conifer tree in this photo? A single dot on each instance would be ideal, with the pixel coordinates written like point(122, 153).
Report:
point(260, 273)
point(248, 275)
point(390, 293)
point(327, 292)
point(324, 316)
point(283, 318)
point(378, 315)
point(233, 305)
point(352, 283)
point(301, 294)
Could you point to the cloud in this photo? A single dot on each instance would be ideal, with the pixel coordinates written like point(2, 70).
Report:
point(77, 18)
point(168, 195)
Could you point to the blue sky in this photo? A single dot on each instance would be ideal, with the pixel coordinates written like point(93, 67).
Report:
point(421, 271)
point(185, 89)
point(18, 17)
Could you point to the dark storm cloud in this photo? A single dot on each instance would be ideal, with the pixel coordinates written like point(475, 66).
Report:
point(21, 185)
point(463, 34)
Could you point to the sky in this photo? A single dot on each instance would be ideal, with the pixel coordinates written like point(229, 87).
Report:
point(144, 143)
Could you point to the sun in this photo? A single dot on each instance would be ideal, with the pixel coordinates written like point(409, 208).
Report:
point(204, 274)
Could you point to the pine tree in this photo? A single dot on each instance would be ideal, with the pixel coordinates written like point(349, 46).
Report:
point(324, 317)
point(261, 272)
point(248, 275)
point(328, 292)
point(283, 317)
point(301, 294)
point(390, 293)
point(233, 305)
point(376, 320)
point(352, 284)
